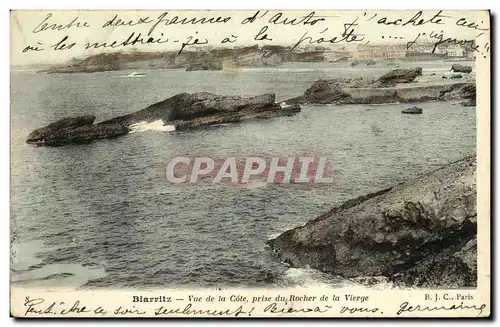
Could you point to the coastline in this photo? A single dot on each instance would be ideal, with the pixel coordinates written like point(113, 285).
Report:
point(188, 111)
point(414, 85)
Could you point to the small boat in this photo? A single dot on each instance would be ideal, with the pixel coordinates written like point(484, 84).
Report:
point(135, 74)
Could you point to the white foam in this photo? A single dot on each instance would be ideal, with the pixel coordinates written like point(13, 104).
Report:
point(135, 74)
point(284, 105)
point(311, 278)
point(156, 126)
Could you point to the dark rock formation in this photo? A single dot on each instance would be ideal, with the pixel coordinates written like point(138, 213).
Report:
point(468, 92)
point(354, 63)
point(412, 110)
point(81, 134)
point(383, 90)
point(457, 68)
point(465, 92)
point(64, 124)
point(371, 62)
point(452, 76)
point(187, 111)
point(182, 110)
point(190, 106)
point(447, 269)
point(325, 91)
point(398, 76)
point(418, 233)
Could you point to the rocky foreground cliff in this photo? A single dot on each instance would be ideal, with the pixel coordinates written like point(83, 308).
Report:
point(420, 233)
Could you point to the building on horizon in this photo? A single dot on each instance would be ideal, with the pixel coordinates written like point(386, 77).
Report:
point(430, 48)
point(379, 52)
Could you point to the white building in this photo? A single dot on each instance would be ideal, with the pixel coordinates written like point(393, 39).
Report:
point(455, 51)
point(374, 52)
point(334, 55)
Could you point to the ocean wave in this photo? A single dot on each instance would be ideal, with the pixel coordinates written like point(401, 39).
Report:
point(156, 126)
point(311, 278)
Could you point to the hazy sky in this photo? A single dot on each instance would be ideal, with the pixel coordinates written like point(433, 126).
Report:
point(45, 29)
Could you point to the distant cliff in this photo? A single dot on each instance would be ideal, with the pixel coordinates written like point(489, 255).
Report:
point(237, 57)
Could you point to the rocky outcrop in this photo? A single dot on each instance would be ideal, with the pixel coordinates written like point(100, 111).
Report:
point(397, 76)
point(82, 135)
point(457, 68)
point(185, 107)
point(182, 111)
point(331, 91)
point(418, 233)
point(465, 92)
point(326, 91)
point(365, 91)
point(75, 130)
point(412, 110)
point(64, 124)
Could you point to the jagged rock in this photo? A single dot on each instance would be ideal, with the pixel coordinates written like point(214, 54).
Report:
point(325, 91)
point(182, 111)
point(444, 270)
point(457, 68)
point(81, 134)
point(189, 106)
point(381, 90)
point(354, 63)
point(466, 92)
point(371, 62)
point(412, 110)
point(398, 76)
point(418, 233)
point(65, 123)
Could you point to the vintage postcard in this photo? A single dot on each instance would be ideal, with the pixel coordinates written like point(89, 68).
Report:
point(257, 163)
